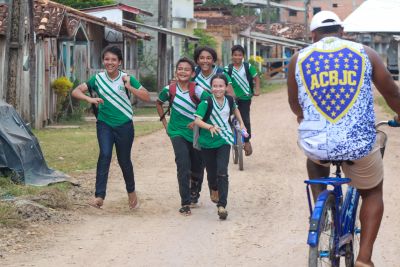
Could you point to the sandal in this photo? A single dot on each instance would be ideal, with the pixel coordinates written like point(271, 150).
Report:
point(97, 202)
point(185, 211)
point(222, 213)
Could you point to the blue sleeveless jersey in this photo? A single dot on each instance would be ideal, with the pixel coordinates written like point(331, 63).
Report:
point(335, 93)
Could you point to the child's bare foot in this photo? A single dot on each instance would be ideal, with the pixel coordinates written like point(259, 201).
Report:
point(96, 202)
point(133, 201)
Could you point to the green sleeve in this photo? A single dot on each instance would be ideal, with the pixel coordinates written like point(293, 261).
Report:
point(164, 94)
point(135, 83)
point(201, 109)
point(253, 71)
point(91, 84)
point(205, 95)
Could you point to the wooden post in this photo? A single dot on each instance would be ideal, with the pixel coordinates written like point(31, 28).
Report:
point(162, 63)
point(14, 50)
point(32, 65)
point(306, 3)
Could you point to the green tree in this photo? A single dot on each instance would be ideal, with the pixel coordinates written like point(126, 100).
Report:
point(79, 4)
point(217, 3)
point(205, 40)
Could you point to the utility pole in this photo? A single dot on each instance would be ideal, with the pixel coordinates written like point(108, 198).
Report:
point(14, 50)
point(306, 4)
point(163, 11)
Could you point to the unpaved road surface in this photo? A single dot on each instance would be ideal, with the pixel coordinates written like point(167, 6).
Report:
point(267, 222)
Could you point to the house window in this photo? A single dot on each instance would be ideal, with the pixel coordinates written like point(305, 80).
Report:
point(335, 5)
point(316, 10)
point(292, 13)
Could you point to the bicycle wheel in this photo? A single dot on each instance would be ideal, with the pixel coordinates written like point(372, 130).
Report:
point(353, 247)
point(240, 149)
point(324, 253)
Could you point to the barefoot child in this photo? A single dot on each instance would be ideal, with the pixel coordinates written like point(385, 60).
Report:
point(246, 84)
point(184, 97)
point(114, 121)
point(216, 137)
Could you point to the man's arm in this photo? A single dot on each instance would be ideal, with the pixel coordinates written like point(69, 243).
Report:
point(384, 82)
point(293, 90)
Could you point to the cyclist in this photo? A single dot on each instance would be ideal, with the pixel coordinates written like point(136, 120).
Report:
point(330, 92)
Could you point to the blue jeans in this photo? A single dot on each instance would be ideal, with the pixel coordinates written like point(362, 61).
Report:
point(122, 136)
point(216, 161)
point(188, 164)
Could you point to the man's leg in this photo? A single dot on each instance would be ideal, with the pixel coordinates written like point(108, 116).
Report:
point(370, 216)
point(210, 161)
point(316, 171)
point(183, 166)
point(197, 174)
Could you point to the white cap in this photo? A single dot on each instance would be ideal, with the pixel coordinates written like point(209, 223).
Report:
point(320, 20)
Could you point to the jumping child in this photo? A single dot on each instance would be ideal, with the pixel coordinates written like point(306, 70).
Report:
point(184, 96)
point(114, 121)
point(213, 115)
point(246, 84)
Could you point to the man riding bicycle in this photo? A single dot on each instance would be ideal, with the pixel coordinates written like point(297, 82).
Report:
point(330, 91)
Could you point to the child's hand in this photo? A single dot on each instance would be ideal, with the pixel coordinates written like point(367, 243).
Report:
point(214, 130)
point(257, 92)
point(96, 101)
point(191, 125)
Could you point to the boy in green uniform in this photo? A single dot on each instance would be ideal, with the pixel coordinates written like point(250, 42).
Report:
point(244, 78)
point(184, 97)
point(114, 121)
point(217, 138)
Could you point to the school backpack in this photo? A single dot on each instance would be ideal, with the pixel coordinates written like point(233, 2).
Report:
point(172, 94)
point(248, 74)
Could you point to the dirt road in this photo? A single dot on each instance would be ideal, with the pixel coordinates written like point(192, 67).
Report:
point(267, 223)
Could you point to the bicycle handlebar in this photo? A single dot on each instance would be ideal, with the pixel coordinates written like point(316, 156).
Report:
point(391, 123)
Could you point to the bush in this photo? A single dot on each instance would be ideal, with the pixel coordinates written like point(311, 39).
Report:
point(149, 82)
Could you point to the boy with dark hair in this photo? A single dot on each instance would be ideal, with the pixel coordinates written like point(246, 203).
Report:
point(183, 96)
point(246, 84)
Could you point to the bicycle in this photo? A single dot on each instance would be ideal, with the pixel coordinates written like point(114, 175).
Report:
point(334, 230)
point(238, 144)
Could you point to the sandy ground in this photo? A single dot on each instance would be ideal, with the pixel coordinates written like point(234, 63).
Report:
point(267, 222)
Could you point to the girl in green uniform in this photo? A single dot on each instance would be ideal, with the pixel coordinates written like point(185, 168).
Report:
point(114, 121)
point(217, 138)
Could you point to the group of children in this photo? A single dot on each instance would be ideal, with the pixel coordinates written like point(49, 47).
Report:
point(201, 104)
point(202, 96)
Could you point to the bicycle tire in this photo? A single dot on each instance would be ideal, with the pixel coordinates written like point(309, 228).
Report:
point(240, 149)
point(324, 254)
point(353, 247)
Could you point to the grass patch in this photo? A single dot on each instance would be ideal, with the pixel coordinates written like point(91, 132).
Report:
point(145, 111)
point(70, 150)
point(9, 216)
point(382, 103)
point(267, 87)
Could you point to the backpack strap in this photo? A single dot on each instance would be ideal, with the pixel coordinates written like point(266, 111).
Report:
point(248, 75)
point(172, 94)
point(192, 93)
point(209, 109)
point(230, 101)
point(197, 71)
point(219, 70)
point(230, 69)
point(94, 108)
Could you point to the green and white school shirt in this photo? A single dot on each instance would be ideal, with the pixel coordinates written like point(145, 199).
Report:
point(182, 111)
point(116, 109)
point(240, 83)
point(220, 117)
point(205, 82)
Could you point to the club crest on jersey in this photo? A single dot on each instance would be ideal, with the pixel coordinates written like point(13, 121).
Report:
point(332, 80)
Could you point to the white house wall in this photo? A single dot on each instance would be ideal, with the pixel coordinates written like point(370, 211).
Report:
point(182, 9)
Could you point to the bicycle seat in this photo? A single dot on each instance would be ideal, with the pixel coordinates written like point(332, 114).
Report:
point(329, 181)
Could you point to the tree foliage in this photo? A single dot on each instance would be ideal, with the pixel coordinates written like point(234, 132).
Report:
point(217, 3)
point(79, 4)
point(205, 40)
